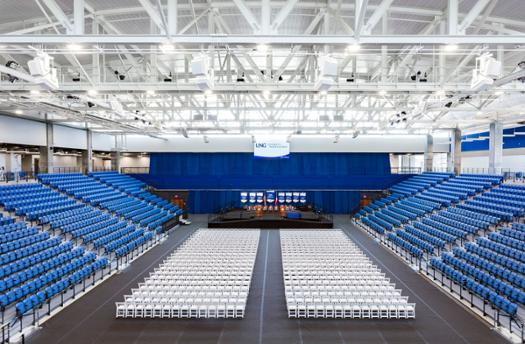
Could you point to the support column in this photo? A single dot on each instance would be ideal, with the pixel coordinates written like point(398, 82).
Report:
point(429, 154)
point(27, 163)
point(115, 160)
point(454, 155)
point(46, 152)
point(87, 155)
point(495, 147)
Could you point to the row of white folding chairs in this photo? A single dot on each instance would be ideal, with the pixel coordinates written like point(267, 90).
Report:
point(349, 300)
point(380, 311)
point(184, 294)
point(185, 301)
point(357, 293)
point(334, 283)
point(131, 310)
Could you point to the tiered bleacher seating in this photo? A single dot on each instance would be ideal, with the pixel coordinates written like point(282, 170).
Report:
point(32, 261)
point(119, 181)
point(89, 190)
point(134, 187)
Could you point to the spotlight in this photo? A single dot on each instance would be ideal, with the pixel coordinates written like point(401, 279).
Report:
point(280, 78)
point(266, 93)
point(168, 78)
point(424, 78)
point(19, 112)
point(498, 93)
point(150, 92)
point(13, 65)
point(34, 92)
point(448, 105)
point(76, 78)
point(382, 93)
point(355, 134)
point(440, 93)
point(90, 104)
point(208, 92)
point(92, 93)
point(351, 78)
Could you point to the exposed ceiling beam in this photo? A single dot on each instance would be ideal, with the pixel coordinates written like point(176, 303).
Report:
point(379, 12)
point(268, 39)
point(283, 14)
point(248, 15)
point(153, 14)
point(59, 14)
point(472, 15)
point(360, 13)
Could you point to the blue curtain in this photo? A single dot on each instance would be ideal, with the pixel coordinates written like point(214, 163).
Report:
point(331, 180)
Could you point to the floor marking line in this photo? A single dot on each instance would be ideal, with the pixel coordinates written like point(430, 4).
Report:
point(261, 310)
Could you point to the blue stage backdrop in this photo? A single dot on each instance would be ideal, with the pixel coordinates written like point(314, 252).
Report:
point(332, 180)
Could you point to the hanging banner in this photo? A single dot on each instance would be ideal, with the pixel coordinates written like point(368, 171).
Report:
point(252, 197)
point(270, 196)
point(281, 197)
point(288, 197)
point(271, 148)
point(260, 197)
point(295, 198)
point(302, 197)
point(244, 197)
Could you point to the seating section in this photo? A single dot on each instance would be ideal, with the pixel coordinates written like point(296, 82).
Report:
point(119, 181)
point(464, 226)
point(208, 276)
point(144, 213)
point(35, 266)
point(327, 276)
point(34, 201)
point(134, 187)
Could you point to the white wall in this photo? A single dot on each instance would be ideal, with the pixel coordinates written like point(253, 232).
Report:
point(103, 142)
point(140, 161)
point(21, 131)
point(513, 160)
point(66, 161)
point(69, 137)
point(298, 143)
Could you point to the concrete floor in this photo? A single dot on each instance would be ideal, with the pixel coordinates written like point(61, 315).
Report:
point(439, 319)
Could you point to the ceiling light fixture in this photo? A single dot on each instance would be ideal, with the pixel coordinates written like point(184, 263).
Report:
point(167, 48)
point(382, 93)
point(74, 47)
point(34, 92)
point(262, 48)
point(150, 92)
point(92, 93)
point(451, 47)
point(19, 112)
point(352, 48)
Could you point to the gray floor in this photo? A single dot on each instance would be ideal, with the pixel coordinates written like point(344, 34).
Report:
point(439, 319)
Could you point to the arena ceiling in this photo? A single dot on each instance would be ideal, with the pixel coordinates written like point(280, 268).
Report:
point(124, 66)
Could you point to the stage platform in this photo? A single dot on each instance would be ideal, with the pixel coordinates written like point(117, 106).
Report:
point(239, 218)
